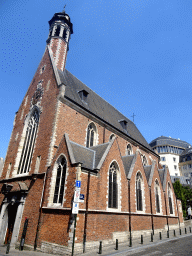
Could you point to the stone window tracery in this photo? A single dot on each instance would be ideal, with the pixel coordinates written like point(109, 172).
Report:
point(170, 199)
point(91, 135)
point(60, 181)
point(139, 192)
point(113, 186)
point(29, 142)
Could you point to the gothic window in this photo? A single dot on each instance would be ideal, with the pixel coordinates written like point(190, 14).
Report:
point(29, 142)
point(111, 137)
point(157, 196)
point(60, 181)
point(144, 160)
point(139, 192)
point(113, 187)
point(129, 150)
point(91, 135)
point(170, 199)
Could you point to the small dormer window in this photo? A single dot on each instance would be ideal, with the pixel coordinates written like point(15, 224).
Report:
point(83, 95)
point(123, 124)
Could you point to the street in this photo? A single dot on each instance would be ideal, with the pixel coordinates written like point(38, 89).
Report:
point(180, 247)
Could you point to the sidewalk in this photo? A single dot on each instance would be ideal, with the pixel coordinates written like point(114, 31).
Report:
point(123, 248)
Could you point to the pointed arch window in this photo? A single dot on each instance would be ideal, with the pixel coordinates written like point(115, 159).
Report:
point(113, 186)
point(144, 160)
point(170, 199)
point(139, 192)
point(29, 142)
point(129, 150)
point(157, 196)
point(60, 181)
point(91, 135)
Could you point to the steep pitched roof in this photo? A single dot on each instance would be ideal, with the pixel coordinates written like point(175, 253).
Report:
point(99, 107)
point(90, 158)
point(163, 177)
point(129, 163)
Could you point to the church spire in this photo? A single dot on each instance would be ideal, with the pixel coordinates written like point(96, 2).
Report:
point(60, 30)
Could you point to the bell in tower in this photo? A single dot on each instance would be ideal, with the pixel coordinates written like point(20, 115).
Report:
point(60, 30)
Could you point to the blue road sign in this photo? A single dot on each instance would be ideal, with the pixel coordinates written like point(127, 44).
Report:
point(78, 183)
point(81, 197)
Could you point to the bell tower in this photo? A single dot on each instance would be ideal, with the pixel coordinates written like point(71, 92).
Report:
point(60, 30)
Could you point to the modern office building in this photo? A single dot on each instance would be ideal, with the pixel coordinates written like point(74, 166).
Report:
point(169, 150)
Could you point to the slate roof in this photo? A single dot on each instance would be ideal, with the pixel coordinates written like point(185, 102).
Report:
point(90, 158)
point(162, 141)
point(98, 106)
point(187, 151)
point(127, 162)
point(147, 170)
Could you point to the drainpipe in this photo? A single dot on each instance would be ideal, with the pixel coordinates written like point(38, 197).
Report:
point(40, 210)
point(151, 210)
point(129, 196)
point(178, 214)
point(166, 211)
point(86, 213)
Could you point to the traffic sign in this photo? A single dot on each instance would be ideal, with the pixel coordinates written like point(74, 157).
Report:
point(78, 183)
point(81, 198)
point(75, 209)
point(76, 196)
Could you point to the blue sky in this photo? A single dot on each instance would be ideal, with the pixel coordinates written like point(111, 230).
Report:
point(136, 54)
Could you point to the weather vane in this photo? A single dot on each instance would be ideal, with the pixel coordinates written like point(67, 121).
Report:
point(64, 8)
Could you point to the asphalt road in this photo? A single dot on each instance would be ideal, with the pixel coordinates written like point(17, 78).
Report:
point(180, 247)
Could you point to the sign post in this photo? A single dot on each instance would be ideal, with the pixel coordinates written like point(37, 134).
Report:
point(75, 209)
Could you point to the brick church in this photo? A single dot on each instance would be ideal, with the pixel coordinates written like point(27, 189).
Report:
point(63, 132)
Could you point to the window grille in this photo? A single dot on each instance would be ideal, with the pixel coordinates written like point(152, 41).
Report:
point(91, 135)
point(139, 192)
point(60, 181)
point(113, 187)
point(29, 143)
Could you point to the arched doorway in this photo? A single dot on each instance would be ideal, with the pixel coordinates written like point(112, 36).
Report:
point(11, 212)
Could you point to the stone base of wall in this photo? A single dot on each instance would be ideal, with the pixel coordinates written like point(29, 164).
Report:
point(57, 249)
point(122, 237)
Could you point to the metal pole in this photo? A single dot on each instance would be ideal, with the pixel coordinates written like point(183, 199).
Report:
point(141, 239)
point(151, 237)
point(160, 237)
point(73, 245)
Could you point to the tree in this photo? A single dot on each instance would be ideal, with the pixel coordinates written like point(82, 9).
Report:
point(181, 193)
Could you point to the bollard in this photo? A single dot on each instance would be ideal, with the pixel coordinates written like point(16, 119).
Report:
point(174, 232)
point(100, 247)
point(141, 239)
point(167, 233)
point(160, 237)
point(180, 231)
point(151, 237)
point(116, 244)
point(130, 241)
point(8, 247)
point(185, 230)
point(190, 229)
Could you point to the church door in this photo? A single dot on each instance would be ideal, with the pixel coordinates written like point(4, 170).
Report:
point(12, 210)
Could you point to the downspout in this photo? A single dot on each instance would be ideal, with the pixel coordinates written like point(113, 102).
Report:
point(129, 203)
point(151, 211)
point(86, 213)
point(166, 211)
point(178, 213)
point(40, 210)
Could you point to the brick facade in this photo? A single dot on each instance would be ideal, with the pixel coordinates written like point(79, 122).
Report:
point(62, 133)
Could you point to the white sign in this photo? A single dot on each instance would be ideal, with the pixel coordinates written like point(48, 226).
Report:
point(76, 196)
point(75, 209)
